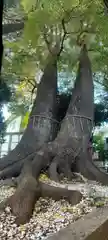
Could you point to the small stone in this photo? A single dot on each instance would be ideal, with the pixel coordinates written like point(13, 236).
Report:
point(1, 225)
point(49, 216)
point(32, 237)
point(10, 233)
point(14, 225)
point(7, 209)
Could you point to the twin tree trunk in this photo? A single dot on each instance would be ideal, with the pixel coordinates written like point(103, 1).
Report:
point(39, 150)
point(39, 147)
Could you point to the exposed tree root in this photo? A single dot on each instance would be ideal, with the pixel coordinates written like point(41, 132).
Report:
point(3, 204)
point(71, 142)
point(60, 167)
point(23, 201)
point(14, 169)
point(56, 193)
point(89, 170)
point(11, 182)
point(53, 174)
point(29, 190)
point(80, 177)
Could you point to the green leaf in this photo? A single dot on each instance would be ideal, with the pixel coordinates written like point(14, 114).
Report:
point(28, 4)
point(25, 120)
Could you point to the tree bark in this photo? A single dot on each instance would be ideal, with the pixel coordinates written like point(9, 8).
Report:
point(69, 143)
point(76, 127)
point(86, 166)
point(42, 125)
point(29, 190)
point(68, 148)
point(66, 144)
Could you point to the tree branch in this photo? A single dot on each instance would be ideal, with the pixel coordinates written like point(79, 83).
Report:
point(48, 43)
point(106, 6)
point(30, 81)
point(32, 92)
point(68, 14)
point(63, 38)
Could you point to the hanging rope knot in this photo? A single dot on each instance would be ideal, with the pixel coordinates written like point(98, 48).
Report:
point(43, 117)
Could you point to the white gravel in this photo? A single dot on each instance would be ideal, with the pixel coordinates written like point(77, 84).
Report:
point(89, 188)
point(49, 216)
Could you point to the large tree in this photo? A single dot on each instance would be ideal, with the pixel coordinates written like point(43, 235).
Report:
point(41, 148)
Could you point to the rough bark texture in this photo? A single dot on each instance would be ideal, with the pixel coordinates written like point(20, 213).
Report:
point(68, 148)
point(42, 124)
point(67, 145)
point(76, 127)
point(58, 155)
point(87, 168)
point(29, 190)
point(33, 192)
point(84, 162)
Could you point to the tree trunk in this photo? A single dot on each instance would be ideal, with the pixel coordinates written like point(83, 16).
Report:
point(69, 143)
point(69, 147)
point(42, 125)
point(29, 189)
point(76, 127)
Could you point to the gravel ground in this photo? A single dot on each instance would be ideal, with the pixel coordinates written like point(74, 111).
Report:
point(87, 188)
point(49, 216)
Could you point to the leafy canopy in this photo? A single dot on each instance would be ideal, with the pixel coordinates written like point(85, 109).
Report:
point(47, 21)
point(84, 20)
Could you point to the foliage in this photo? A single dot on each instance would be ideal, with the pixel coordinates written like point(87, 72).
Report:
point(100, 204)
point(98, 142)
point(101, 113)
point(27, 52)
point(25, 119)
point(84, 21)
point(43, 177)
